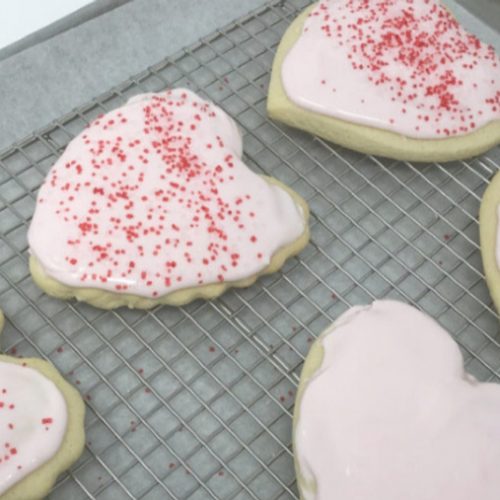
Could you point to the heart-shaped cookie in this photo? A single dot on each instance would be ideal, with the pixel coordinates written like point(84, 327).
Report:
point(41, 427)
point(489, 235)
point(386, 411)
point(152, 204)
point(399, 78)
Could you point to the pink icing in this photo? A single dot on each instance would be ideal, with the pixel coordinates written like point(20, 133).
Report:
point(392, 415)
point(401, 65)
point(33, 419)
point(153, 197)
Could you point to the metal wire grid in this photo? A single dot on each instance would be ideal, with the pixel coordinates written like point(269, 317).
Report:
point(196, 402)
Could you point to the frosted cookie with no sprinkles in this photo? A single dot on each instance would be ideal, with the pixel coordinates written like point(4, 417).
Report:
point(152, 204)
point(385, 411)
point(41, 427)
point(397, 78)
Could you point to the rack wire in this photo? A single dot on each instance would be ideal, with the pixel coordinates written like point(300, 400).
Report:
point(196, 402)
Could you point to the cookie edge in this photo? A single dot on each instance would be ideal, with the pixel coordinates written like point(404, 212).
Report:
point(105, 299)
point(38, 483)
point(488, 221)
point(312, 364)
point(364, 139)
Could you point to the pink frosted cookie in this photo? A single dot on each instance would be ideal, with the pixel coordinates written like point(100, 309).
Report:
point(152, 204)
point(398, 78)
point(41, 427)
point(386, 411)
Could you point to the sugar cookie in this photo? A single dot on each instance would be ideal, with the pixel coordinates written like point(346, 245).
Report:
point(41, 427)
point(399, 78)
point(386, 411)
point(152, 204)
point(489, 236)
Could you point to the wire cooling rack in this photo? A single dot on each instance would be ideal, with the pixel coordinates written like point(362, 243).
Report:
point(196, 402)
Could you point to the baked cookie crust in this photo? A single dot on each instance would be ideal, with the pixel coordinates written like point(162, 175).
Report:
point(488, 227)
point(105, 299)
point(362, 138)
point(38, 483)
